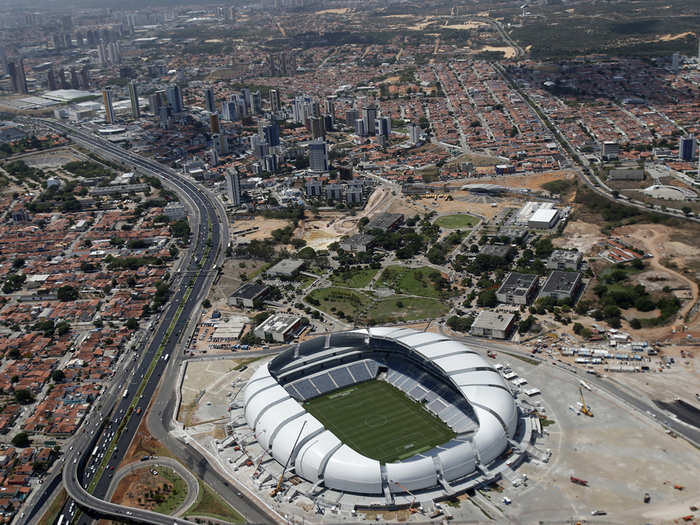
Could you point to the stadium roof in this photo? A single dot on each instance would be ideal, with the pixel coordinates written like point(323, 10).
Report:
point(277, 418)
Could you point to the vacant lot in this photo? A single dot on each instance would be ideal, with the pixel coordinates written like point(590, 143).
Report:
point(379, 421)
point(162, 493)
point(453, 222)
point(340, 301)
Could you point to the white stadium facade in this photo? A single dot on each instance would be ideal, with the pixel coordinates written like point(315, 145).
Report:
point(452, 381)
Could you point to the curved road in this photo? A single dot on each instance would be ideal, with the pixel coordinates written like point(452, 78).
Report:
point(190, 480)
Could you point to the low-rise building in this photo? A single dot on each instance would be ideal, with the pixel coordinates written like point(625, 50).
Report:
point(174, 211)
point(561, 285)
point(564, 260)
point(280, 328)
point(249, 295)
point(385, 222)
point(498, 325)
point(518, 288)
point(543, 219)
point(360, 242)
point(286, 268)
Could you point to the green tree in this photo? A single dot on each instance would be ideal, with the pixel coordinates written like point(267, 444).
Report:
point(58, 376)
point(67, 293)
point(132, 324)
point(24, 396)
point(21, 440)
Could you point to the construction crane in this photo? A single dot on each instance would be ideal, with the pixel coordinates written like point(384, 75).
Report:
point(411, 508)
point(585, 409)
point(284, 470)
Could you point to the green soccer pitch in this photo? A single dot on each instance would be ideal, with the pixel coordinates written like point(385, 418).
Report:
point(379, 421)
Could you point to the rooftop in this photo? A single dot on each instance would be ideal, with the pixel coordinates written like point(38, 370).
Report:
point(559, 281)
point(493, 320)
point(250, 291)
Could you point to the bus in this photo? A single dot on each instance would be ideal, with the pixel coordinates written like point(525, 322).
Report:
point(126, 393)
point(60, 520)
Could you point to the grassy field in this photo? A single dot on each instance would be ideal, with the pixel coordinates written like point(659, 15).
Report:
point(453, 222)
point(51, 514)
point(210, 504)
point(406, 309)
point(176, 495)
point(379, 421)
point(411, 281)
point(334, 300)
point(355, 278)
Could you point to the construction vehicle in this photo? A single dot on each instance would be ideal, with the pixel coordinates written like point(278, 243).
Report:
point(647, 497)
point(585, 409)
point(678, 487)
point(411, 508)
point(578, 481)
point(277, 488)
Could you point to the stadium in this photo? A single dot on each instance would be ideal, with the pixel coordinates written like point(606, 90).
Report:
point(380, 412)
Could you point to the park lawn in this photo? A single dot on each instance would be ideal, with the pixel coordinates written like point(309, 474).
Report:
point(210, 504)
point(348, 302)
point(354, 278)
point(406, 309)
point(410, 281)
point(379, 421)
point(453, 222)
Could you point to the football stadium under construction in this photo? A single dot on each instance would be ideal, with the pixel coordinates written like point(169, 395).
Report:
point(368, 416)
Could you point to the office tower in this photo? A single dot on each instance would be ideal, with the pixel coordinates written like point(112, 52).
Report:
point(241, 105)
point(57, 44)
point(676, 61)
point(74, 78)
point(270, 163)
point(274, 100)
point(228, 110)
point(68, 40)
point(79, 39)
point(51, 80)
point(369, 117)
point(315, 109)
point(85, 77)
point(384, 126)
point(360, 130)
point(114, 53)
point(686, 148)
point(164, 113)
point(259, 147)
point(62, 79)
point(154, 103)
point(67, 22)
point(134, 97)
point(414, 133)
point(214, 123)
point(610, 150)
point(330, 105)
point(102, 54)
point(233, 182)
point(223, 142)
point(271, 133)
point(327, 123)
point(3, 59)
point(256, 103)
point(246, 98)
point(109, 109)
point(351, 116)
point(16, 71)
point(174, 95)
point(316, 124)
point(318, 156)
point(209, 101)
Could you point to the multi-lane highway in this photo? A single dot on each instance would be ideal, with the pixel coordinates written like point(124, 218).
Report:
point(97, 449)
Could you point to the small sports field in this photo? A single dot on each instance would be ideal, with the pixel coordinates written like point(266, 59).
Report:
point(379, 421)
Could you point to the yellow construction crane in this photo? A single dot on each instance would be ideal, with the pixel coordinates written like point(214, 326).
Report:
point(411, 508)
point(276, 490)
point(585, 409)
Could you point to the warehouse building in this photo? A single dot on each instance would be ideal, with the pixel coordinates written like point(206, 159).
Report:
point(564, 260)
point(562, 285)
point(280, 328)
point(497, 325)
point(249, 295)
point(518, 288)
point(385, 222)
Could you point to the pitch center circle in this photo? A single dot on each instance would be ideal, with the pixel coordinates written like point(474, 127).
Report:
point(376, 421)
